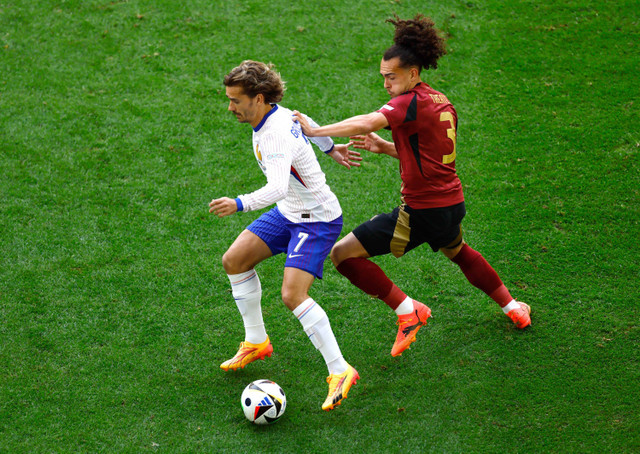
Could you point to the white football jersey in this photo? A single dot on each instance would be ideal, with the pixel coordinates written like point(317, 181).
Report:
point(295, 181)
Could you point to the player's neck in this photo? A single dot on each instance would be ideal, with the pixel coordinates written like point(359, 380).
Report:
point(262, 112)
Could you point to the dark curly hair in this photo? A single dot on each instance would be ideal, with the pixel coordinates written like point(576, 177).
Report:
point(257, 78)
point(416, 42)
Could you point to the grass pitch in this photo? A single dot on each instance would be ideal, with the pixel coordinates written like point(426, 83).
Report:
point(115, 311)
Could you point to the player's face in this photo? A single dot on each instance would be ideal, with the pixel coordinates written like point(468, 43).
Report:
point(241, 105)
point(397, 79)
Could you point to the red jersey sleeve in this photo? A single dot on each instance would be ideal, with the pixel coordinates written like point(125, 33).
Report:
point(395, 110)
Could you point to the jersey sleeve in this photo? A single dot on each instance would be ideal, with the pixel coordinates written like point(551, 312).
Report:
point(324, 143)
point(276, 161)
point(395, 110)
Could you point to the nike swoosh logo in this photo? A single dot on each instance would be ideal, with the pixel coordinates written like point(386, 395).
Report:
point(294, 256)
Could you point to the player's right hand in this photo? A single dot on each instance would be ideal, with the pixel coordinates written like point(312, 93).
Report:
point(371, 142)
point(345, 157)
point(304, 124)
point(223, 206)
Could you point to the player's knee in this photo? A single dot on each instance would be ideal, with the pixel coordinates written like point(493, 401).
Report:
point(291, 297)
point(339, 252)
point(230, 263)
point(347, 247)
point(335, 255)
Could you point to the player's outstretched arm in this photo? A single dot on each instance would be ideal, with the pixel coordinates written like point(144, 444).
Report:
point(223, 206)
point(361, 124)
point(373, 143)
point(344, 156)
point(339, 152)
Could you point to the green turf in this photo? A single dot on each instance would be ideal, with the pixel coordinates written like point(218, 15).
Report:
point(115, 310)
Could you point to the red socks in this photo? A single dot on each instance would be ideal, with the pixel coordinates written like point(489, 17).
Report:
point(370, 278)
point(481, 275)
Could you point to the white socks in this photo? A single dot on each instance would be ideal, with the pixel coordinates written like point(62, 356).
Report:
point(406, 307)
point(316, 324)
point(247, 292)
point(509, 307)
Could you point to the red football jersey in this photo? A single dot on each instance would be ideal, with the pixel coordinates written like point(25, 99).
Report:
point(423, 125)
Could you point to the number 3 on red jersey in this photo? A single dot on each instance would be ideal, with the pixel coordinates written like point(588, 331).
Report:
point(451, 133)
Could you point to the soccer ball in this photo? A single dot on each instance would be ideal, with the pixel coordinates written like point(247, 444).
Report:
point(263, 402)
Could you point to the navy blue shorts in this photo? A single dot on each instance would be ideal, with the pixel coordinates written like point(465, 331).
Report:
point(307, 244)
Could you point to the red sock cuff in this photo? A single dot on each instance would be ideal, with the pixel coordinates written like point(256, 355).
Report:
point(395, 297)
point(501, 296)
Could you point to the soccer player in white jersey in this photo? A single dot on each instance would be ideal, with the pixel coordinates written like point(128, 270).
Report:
point(304, 224)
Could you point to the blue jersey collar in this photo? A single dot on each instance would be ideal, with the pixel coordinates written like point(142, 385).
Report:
point(273, 109)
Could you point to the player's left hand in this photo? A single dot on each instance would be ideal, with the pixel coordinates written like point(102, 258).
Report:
point(304, 124)
point(344, 156)
point(223, 206)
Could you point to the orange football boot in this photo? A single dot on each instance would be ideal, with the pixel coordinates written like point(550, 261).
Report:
point(521, 316)
point(408, 326)
point(248, 353)
point(339, 386)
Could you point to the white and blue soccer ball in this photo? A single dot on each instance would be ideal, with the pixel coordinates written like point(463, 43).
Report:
point(263, 402)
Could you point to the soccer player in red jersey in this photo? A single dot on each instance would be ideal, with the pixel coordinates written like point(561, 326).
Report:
point(423, 125)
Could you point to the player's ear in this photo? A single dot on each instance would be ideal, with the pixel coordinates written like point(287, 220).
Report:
point(260, 98)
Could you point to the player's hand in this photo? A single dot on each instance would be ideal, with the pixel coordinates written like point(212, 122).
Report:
point(304, 124)
point(223, 206)
point(344, 156)
point(372, 142)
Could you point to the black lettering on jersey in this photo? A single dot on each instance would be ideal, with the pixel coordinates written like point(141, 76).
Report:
point(412, 110)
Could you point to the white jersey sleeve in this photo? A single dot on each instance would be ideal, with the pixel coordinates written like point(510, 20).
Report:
point(324, 143)
point(275, 160)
